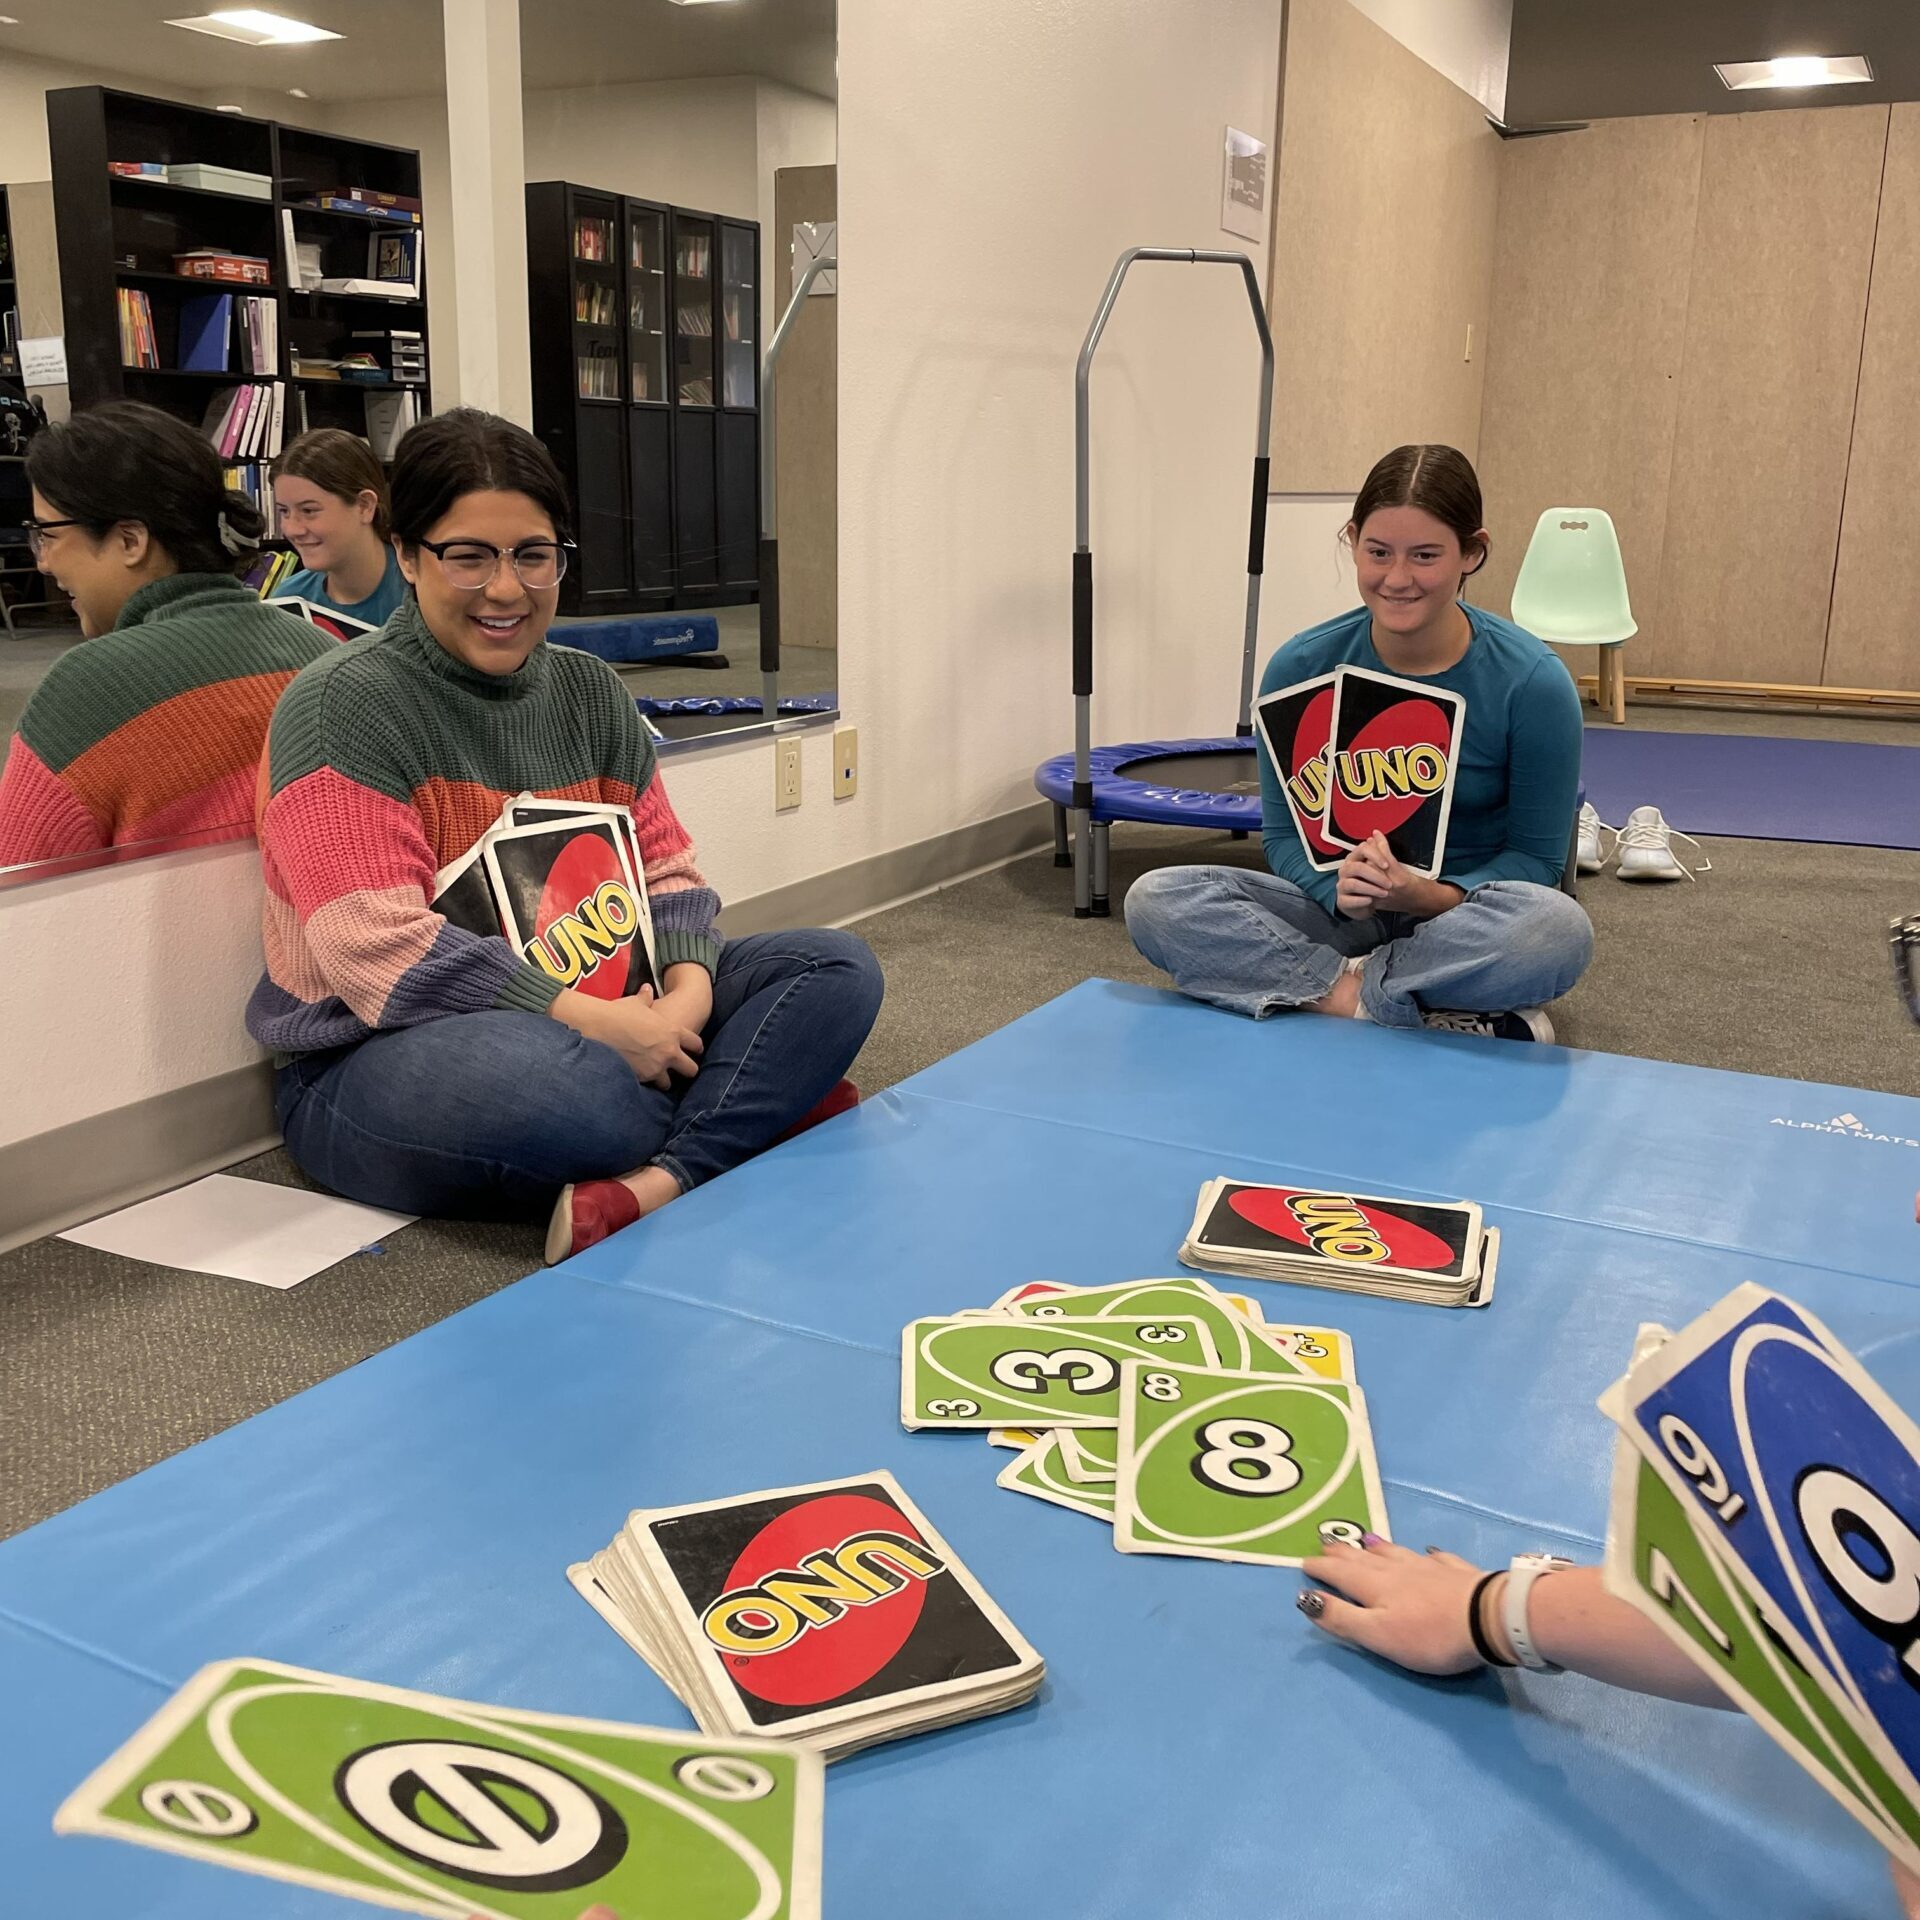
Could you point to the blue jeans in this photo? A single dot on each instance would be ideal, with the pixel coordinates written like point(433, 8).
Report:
point(488, 1115)
point(1256, 944)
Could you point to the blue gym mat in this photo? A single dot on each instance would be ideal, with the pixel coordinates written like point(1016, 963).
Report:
point(1758, 786)
point(632, 637)
point(1196, 1750)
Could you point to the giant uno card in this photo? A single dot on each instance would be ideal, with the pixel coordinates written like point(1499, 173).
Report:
point(1297, 723)
point(571, 905)
point(1392, 762)
point(1808, 1478)
point(448, 1808)
point(529, 810)
point(1434, 1240)
point(463, 895)
point(803, 1602)
point(1238, 1342)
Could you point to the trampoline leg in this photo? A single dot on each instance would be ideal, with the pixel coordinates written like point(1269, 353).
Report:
point(1082, 864)
point(1062, 852)
point(1239, 833)
point(1100, 907)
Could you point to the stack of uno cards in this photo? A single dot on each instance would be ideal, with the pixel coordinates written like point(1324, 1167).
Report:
point(1164, 1407)
point(1766, 1516)
point(832, 1614)
point(562, 880)
point(1439, 1252)
point(1360, 753)
point(447, 1808)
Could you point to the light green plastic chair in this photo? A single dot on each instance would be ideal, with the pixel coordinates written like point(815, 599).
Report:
point(1572, 590)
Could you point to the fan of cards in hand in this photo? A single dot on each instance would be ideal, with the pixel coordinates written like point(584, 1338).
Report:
point(1438, 1252)
point(1766, 1516)
point(832, 1614)
point(1164, 1407)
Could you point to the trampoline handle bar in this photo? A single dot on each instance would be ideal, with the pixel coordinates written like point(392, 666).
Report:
point(1082, 623)
point(769, 544)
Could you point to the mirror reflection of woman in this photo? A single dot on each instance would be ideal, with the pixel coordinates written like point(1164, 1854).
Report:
point(435, 1070)
point(330, 503)
point(152, 727)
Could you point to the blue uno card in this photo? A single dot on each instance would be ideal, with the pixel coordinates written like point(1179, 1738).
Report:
point(1810, 1477)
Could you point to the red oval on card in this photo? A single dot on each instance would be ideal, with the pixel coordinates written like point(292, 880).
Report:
point(1407, 1244)
point(1412, 722)
point(583, 867)
point(829, 1661)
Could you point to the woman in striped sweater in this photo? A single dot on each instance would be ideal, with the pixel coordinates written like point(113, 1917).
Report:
point(153, 727)
point(431, 1069)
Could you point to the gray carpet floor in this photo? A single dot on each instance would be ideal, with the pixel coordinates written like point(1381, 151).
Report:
point(1774, 962)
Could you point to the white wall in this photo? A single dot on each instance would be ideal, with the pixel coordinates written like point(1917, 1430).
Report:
point(131, 981)
point(792, 129)
point(1467, 40)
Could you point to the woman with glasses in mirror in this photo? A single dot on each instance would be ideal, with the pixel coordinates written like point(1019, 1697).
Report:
point(152, 727)
point(330, 502)
point(437, 1070)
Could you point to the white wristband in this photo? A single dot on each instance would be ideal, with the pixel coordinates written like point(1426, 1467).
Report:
point(1522, 1571)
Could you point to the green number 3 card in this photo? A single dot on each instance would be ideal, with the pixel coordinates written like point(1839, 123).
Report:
point(446, 1808)
point(1242, 1466)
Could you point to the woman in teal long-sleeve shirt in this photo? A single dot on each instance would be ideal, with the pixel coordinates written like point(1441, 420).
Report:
point(1486, 944)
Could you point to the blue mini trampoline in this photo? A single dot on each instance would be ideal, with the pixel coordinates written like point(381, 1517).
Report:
point(1175, 783)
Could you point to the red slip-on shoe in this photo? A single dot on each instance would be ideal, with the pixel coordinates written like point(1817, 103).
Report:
point(586, 1214)
point(842, 1098)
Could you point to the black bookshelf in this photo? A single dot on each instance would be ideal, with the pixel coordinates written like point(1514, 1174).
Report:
point(116, 231)
point(644, 332)
point(9, 294)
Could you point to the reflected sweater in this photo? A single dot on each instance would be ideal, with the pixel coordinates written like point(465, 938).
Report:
point(155, 728)
point(387, 759)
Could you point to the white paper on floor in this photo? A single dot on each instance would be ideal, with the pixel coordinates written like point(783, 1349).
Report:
point(241, 1229)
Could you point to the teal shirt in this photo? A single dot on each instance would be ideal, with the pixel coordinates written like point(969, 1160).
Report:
point(376, 609)
point(1519, 760)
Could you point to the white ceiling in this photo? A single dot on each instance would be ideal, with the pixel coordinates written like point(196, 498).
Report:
point(394, 48)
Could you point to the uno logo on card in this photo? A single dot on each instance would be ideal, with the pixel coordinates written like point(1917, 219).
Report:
point(1340, 1229)
point(1396, 764)
point(801, 1621)
point(1307, 764)
point(587, 920)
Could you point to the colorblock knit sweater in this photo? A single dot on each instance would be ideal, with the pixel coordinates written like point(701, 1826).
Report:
point(386, 761)
point(155, 728)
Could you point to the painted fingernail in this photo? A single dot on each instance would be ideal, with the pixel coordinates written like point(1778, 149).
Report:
point(1313, 1605)
point(1373, 1540)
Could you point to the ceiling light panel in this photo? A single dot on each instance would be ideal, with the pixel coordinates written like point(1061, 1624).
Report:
point(1795, 70)
point(252, 27)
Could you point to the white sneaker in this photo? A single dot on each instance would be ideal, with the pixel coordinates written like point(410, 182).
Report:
point(1523, 1023)
point(1644, 849)
point(1589, 858)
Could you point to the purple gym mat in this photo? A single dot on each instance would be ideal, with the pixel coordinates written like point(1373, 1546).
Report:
point(1758, 786)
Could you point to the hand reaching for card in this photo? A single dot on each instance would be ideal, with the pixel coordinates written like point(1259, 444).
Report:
point(1410, 1608)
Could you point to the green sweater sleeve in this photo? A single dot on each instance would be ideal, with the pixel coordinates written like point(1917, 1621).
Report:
point(1543, 779)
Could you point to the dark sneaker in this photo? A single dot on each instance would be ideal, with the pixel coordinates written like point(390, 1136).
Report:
point(1523, 1023)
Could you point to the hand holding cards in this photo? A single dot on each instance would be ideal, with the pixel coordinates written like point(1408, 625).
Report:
point(446, 1807)
point(1359, 753)
point(1437, 1252)
point(1766, 1516)
point(832, 1614)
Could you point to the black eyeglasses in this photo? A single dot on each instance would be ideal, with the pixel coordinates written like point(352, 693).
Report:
point(473, 564)
point(37, 531)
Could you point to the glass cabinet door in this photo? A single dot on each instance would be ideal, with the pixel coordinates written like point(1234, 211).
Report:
point(740, 317)
point(693, 312)
point(596, 307)
point(647, 304)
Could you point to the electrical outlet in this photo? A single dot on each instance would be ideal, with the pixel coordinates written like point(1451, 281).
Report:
point(786, 775)
point(846, 762)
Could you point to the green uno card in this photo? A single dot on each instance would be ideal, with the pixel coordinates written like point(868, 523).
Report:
point(447, 1808)
point(966, 1370)
point(1238, 1343)
point(1660, 1561)
point(1245, 1466)
point(1038, 1472)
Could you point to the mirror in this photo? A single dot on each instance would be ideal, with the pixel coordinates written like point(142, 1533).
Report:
point(260, 242)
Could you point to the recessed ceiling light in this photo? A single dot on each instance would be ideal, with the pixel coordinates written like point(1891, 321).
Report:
point(1795, 70)
point(7, 20)
point(299, 93)
point(253, 27)
point(694, 3)
point(224, 108)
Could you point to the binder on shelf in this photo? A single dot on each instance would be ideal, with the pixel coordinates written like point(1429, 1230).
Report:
point(206, 332)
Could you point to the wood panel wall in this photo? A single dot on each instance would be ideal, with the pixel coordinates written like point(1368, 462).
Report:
point(1388, 185)
point(806, 430)
point(1584, 351)
point(1873, 637)
point(1776, 311)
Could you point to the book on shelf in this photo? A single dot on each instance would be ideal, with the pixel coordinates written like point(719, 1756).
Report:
point(362, 199)
point(300, 257)
point(247, 422)
point(593, 240)
point(138, 347)
point(206, 333)
point(259, 320)
point(696, 393)
point(136, 169)
point(695, 256)
point(340, 203)
point(393, 261)
point(696, 323)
